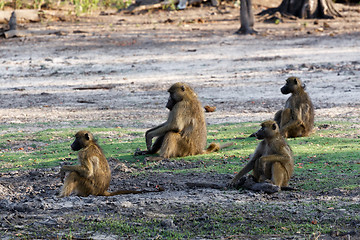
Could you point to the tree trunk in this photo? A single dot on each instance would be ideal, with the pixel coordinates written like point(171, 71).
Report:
point(304, 9)
point(246, 18)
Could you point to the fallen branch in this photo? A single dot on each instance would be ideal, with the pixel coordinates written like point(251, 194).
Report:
point(22, 15)
point(28, 33)
point(106, 87)
point(205, 185)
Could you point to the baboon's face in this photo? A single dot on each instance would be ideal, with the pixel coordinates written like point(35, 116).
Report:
point(177, 92)
point(290, 86)
point(171, 103)
point(82, 139)
point(268, 129)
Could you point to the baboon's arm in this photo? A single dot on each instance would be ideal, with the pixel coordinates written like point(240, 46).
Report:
point(295, 122)
point(84, 170)
point(173, 124)
point(154, 128)
point(250, 165)
point(283, 159)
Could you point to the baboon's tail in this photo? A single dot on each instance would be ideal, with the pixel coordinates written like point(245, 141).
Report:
point(288, 189)
point(213, 147)
point(121, 192)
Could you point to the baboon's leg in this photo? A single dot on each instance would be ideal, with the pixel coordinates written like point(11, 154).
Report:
point(296, 130)
point(285, 117)
point(257, 171)
point(279, 175)
point(70, 184)
point(277, 117)
point(157, 145)
point(86, 187)
point(173, 146)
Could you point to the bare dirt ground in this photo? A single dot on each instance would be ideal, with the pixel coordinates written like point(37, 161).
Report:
point(127, 62)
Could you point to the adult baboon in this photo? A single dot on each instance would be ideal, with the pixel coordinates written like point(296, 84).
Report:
point(184, 132)
point(297, 118)
point(271, 163)
point(92, 176)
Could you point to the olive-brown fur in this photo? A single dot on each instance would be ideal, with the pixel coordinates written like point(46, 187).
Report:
point(297, 117)
point(272, 160)
point(184, 132)
point(92, 176)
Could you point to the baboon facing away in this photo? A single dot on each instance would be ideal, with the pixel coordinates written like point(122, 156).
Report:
point(272, 161)
point(92, 176)
point(184, 132)
point(297, 118)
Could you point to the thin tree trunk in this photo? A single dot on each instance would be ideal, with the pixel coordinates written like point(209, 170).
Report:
point(246, 18)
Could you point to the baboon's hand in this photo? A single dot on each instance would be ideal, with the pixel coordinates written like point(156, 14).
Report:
point(138, 152)
point(148, 142)
point(284, 133)
point(231, 184)
point(236, 183)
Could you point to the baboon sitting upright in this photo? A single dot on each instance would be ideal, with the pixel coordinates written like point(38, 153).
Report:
point(297, 118)
point(92, 176)
point(184, 132)
point(272, 161)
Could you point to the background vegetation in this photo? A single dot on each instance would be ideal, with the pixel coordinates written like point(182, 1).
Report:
point(87, 6)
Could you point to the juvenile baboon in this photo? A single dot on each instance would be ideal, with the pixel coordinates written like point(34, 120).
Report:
point(92, 176)
point(297, 118)
point(272, 161)
point(184, 132)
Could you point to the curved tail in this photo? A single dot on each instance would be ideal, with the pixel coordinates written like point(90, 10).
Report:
point(121, 192)
point(213, 147)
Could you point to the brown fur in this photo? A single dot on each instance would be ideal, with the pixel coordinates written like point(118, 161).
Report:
point(92, 176)
point(272, 161)
point(184, 132)
point(297, 118)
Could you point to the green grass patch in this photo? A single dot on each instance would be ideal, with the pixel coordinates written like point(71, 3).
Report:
point(227, 220)
point(330, 157)
point(326, 162)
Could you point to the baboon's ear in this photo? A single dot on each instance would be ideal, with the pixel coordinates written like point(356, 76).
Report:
point(87, 136)
point(183, 88)
point(274, 126)
point(295, 81)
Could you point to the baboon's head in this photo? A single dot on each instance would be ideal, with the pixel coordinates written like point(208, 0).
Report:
point(179, 92)
point(82, 140)
point(269, 129)
point(292, 85)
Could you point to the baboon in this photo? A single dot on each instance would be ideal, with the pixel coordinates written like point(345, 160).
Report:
point(184, 132)
point(297, 118)
point(92, 176)
point(272, 161)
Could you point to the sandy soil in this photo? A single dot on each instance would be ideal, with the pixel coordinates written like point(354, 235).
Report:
point(137, 57)
point(131, 60)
